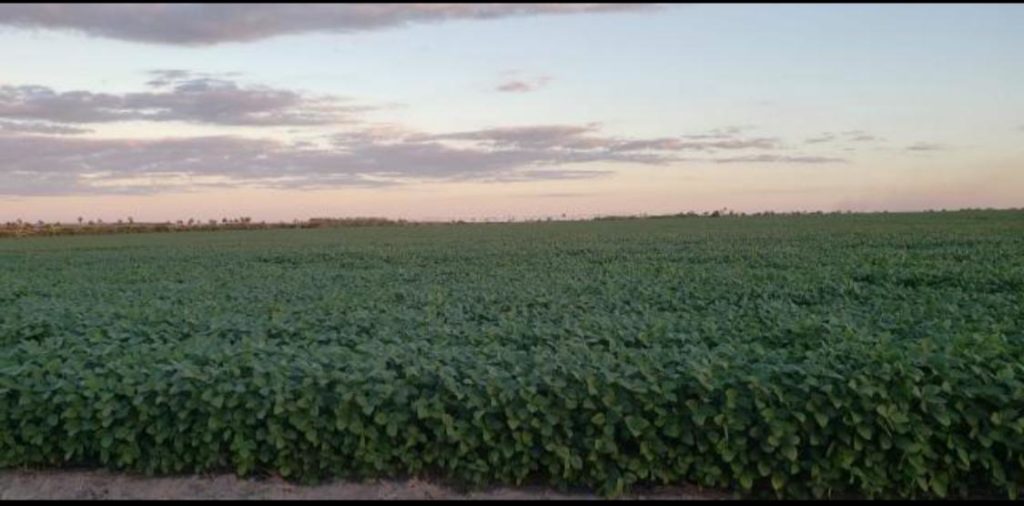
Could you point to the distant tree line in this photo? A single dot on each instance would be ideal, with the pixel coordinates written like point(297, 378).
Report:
point(21, 228)
point(81, 226)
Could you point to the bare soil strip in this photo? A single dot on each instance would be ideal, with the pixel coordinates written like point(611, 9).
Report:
point(108, 485)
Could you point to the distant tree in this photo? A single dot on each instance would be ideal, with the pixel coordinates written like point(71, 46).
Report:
point(79, 220)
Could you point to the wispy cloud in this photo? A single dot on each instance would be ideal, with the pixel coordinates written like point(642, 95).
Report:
point(41, 164)
point(864, 138)
point(177, 96)
point(167, 77)
point(39, 154)
point(515, 86)
point(205, 24)
point(825, 137)
point(34, 164)
point(926, 146)
point(522, 85)
point(849, 136)
point(860, 136)
point(37, 127)
point(674, 144)
point(540, 136)
point(779, 159)
point(720, 133)
point(54, 165)
point(583, 138)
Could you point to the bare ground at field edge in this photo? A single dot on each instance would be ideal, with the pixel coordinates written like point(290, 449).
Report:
point(98, 484)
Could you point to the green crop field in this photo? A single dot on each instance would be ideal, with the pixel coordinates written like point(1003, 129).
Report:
point(819, 355)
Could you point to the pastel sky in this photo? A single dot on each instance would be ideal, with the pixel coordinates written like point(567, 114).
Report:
point(444, 111)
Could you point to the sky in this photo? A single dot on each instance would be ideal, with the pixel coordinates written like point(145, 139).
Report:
point(506, 111)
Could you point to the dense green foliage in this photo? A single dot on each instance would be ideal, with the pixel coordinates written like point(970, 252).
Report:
point(878, 355)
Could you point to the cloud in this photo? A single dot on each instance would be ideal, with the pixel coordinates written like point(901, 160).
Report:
point(523, 86)
point(36, 127)
point(515, 86)
point(925, 146)
point(571, 137)
point(779, 159)
point(166, 77)
point(34, 165)
point(177, 96)
point(363, 156)
point(825, 137)
point(546, 136)
point(674, 144)
point(864, 138)
point(849, 135)
point(206, 24)
point(720, 133)
point(546, 175)
point(859, 136)
point(38, 157)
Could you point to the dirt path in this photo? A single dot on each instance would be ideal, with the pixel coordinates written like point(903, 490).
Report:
point(107, 485)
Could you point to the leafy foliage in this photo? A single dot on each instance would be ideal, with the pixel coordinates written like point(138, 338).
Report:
point(792, 356)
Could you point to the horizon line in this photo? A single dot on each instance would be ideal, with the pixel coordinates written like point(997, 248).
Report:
point(563, 217)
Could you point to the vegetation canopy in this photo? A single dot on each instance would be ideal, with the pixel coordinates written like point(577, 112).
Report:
point(792, 356)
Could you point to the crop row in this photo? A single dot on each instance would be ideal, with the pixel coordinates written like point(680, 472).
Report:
point(855, 416)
